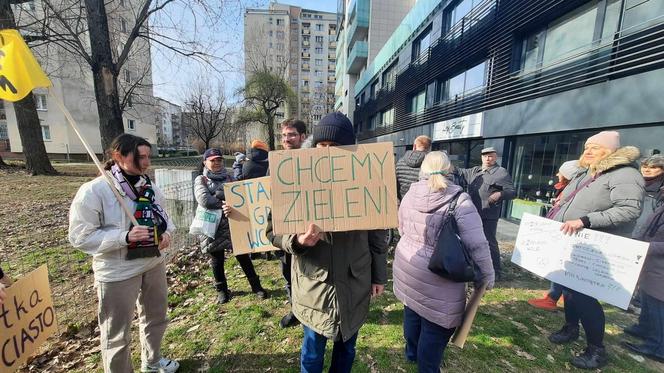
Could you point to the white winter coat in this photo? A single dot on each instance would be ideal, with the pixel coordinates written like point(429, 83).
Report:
point(99, 226)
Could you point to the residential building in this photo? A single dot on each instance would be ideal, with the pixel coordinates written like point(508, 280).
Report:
point(364, 28)
point(169, 124)
point(300, 45)
point(73, 84)
point(532, 78)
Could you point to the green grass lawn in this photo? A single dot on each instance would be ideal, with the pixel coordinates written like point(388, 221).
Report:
point(244, 335)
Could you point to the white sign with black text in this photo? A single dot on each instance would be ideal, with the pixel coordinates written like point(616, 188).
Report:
point(458, 128)
point(598, 264)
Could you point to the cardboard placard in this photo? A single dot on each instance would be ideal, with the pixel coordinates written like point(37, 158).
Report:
point(27, 319)
point(461, 333)
point(339, 188)
point(598, 264)
point(251, 202)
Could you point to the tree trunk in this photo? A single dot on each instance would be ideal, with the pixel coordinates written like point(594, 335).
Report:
point(104, 73)
point(270, 130)
point(29, 129)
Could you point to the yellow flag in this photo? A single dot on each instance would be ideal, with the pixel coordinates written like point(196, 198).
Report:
point(20, 72)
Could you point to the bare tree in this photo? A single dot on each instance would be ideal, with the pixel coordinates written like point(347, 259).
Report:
point(264, 92)
point(206, 113)
point(29, 128)
point(83, 29)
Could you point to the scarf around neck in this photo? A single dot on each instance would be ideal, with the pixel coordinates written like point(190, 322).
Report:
point(148, 212)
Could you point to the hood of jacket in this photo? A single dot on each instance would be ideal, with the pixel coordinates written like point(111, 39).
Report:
point(423, 199)
point(414, 158)
point(258, 155)
point(625, 156)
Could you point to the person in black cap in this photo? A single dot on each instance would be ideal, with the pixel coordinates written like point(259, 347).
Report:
point(209, 193)
point(489, 185)
point(334, 274)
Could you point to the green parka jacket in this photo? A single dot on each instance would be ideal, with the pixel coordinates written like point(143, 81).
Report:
point(331, 281)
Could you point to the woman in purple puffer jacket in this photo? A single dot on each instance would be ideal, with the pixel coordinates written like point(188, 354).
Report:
point(433, 306)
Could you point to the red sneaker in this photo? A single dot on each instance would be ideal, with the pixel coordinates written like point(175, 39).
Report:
point(545, 303)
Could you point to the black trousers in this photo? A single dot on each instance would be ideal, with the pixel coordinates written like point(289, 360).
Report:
point(588, 310)
point(217, 263)
point(286, 260)
point(490, 228)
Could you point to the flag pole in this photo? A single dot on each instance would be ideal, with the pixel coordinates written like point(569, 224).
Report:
point(92, 154)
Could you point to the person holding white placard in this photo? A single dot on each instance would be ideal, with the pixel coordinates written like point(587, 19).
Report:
point(607, 196)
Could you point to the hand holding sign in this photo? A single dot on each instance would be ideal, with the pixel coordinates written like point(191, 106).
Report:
point(310, 237)
point(3, 295)
point(226, 209)
point(571, 226)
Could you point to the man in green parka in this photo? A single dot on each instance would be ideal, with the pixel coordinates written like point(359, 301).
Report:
point(334, 275)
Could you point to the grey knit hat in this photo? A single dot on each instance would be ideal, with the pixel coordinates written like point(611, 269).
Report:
point(335, 127)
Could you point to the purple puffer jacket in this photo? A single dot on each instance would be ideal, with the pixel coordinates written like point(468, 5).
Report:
point(421, 216)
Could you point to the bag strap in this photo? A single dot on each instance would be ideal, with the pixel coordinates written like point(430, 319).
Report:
point(453, 203)
point(557, 207)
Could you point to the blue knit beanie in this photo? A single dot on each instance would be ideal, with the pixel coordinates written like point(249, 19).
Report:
point(335, 127)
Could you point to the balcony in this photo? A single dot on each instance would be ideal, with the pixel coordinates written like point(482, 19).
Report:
point(331, 79)
point(359, 21)
point(357, 58)
point(331, 67)
point(305, 66)
point(306, 31)
point(305, 43)
point(306, 55)
point(333, 44)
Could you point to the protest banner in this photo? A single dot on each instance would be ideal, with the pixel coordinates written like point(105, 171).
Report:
point(461, 333)
point(251, 203)
point(27, 319)
point(598, 264)
point(339, 188)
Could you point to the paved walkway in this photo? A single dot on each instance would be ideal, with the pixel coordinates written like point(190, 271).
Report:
point(507, 231)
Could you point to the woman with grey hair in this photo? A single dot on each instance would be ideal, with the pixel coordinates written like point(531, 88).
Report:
point(652, 169)
point(650, 327)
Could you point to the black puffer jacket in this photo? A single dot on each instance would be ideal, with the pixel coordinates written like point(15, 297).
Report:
point(257, 166)
point(408, 170)
point(209, 192)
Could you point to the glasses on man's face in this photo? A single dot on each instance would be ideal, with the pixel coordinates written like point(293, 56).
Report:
point(290, 135)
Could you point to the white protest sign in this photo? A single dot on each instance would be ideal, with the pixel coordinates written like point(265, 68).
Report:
point(601, 265)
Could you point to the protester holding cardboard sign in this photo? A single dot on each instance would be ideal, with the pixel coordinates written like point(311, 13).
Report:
point(209, 193)
point(128, 267)
point(605, 196)
point(334, 274)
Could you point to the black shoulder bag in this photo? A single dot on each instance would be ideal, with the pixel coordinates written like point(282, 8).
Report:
point(450, 258)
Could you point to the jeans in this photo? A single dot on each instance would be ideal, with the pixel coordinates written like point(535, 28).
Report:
point(588, 310)
point(490, 227)
point(654, 340)
point(313, 353)
point(425, 341)
point(555, 291)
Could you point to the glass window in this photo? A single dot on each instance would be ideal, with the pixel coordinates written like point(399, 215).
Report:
point(319, 39)
point(46, 131)
point(475, 78)
point(4, 134)
point(431, 94)
point(319, 62)
point(456, 86)
point(40, 101)
point(319, 50)
point(611, 19)
point(532, 48)
point(374, 89)
point(389, 76)
point(319, 27)
point(640, 14)
point(387, 117)
point(422, 43)
point(460, 10)
point(570, 35)
point(131, 124)
point(417, 102)
point(280, 21)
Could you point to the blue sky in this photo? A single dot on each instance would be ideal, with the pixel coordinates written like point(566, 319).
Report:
point(172, 75)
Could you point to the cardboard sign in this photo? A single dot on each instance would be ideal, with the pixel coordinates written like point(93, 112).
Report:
point(251, 203)
point(601, 265)
point(461, 333)
point(339, 188)
point(27, 319)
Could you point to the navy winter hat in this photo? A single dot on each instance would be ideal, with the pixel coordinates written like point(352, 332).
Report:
point(335, 127)
point(211, 154)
